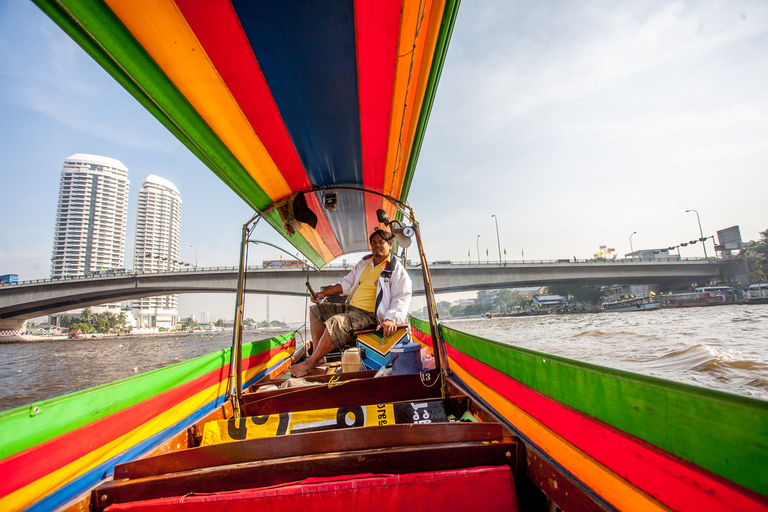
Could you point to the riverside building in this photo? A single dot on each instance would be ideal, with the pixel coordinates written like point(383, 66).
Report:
point(156, 249)
point(91, 219)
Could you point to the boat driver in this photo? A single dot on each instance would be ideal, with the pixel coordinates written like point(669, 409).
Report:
point(378, 294)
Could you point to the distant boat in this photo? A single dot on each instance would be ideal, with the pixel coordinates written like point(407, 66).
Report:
point(706, 296)
point(757, 293)
point(641, 303)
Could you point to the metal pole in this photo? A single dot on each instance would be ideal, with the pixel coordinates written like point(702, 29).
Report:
point(236, 355)
point(478, 249)
point(631, 249)
point(195, 248)
point(701, 233)
point(438, 350)
point(498, 241)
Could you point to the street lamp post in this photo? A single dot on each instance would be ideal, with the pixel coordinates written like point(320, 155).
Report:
point(478, 249)
point(498, 241)
point(701, 233)
point(631, 249)
point(195, 248)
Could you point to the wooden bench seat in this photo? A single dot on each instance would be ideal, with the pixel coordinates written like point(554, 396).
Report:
point(488, 488)
point(249, 450)
point(344, 393)
point(431, 450)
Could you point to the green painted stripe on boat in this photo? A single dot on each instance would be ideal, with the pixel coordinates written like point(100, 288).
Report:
point(724, 433)
point(450, 13)
point(92, 25)
point(421, 325)
point(20, 430)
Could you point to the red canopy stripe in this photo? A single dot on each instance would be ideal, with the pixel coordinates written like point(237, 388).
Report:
point(377, 27)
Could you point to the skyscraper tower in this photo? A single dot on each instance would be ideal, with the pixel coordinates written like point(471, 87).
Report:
point(91, 218)
point(157, 247)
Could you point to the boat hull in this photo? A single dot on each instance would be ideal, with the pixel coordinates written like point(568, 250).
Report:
point(56, 450)
point(629, 442)
point(648, 306)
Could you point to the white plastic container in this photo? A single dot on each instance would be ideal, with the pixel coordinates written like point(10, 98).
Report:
point(350, 361)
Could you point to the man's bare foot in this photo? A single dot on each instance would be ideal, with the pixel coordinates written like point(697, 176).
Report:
point(321, 362)
point(301, 369)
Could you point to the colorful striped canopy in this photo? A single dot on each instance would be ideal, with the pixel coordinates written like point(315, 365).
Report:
point(280, 97)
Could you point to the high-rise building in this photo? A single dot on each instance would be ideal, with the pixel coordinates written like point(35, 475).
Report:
point(89, 236)
point(91, 219)
point(157, 247)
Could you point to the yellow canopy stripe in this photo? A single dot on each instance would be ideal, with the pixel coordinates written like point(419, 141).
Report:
point(161, 29)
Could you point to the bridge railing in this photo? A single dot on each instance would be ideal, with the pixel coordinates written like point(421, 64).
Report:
point(436, 263)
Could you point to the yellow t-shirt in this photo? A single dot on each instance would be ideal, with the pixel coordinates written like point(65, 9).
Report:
point(365, 294)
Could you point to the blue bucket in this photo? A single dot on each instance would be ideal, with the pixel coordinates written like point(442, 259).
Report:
point(406, 358)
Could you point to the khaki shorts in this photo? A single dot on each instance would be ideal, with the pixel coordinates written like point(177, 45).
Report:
point(342, 321)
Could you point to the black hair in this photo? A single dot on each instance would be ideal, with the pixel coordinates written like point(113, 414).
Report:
point(385, 235)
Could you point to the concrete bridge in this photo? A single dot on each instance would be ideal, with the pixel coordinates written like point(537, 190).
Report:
point(32, 299)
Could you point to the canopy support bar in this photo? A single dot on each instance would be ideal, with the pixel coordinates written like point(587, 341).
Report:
point(438, 348)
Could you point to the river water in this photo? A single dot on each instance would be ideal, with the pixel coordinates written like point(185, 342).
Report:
point(31, 372)
point(721, 347)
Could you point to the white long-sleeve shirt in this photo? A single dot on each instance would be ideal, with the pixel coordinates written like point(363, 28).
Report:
point(393, 289)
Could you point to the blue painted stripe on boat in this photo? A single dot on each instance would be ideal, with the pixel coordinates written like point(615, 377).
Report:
point(307, 52)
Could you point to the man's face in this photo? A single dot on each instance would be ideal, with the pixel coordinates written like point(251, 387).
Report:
point(379, 247)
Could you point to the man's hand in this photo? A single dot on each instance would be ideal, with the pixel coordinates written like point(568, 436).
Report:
point(318, 296)
point(387, 327)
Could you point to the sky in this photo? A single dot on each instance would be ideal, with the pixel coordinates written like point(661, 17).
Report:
point(575, 124)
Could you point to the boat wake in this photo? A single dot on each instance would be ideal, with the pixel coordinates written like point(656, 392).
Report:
point(710, 362)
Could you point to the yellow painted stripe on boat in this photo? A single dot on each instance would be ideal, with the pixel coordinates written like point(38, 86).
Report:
point(602, 480)
point(397, 157)
point(252, 372)
point(36, 490)
point(42, 487)
point(164, 33)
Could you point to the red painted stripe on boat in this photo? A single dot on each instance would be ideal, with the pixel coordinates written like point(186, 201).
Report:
point(422, 337)
point(675, 482)
point(377, 27)
point(30, 465)
point(217, 27)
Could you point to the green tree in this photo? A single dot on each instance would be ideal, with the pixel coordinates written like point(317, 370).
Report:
point(101, 322)
point(83, 327)
point(474, 309)
point(444, 308)
point(520, 299)
point(503, 300)
point(756, 255)
point(457, 310)
point(121, 321)
point(220, 323)
point(86, 316)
